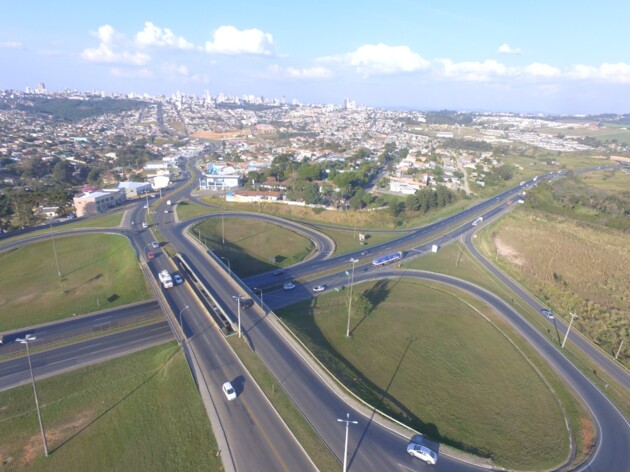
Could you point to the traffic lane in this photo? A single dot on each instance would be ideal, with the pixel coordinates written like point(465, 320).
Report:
point(248, 420)
point(83, 325)
point(15, 372)
point(257, 436)
point(604, 362)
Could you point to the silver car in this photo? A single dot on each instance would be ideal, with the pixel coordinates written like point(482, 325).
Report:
point(422, 453)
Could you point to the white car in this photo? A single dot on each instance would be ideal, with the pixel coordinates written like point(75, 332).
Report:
point(155, 245)
point(422, 452)
point(229, 391)
point(319, 288)
point(144, 225)
point(178, 279)
point(288, 286)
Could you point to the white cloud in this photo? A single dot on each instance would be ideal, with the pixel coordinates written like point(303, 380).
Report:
point(538, 69)
point(132, 73)
point(618, 73)
point(229, 40)
point(475, 71)
point(506, 49)
point(316, 72)
point(153, 35)
point(175, 69)
point(108, 49)
point(381, 59)
point(10, 45)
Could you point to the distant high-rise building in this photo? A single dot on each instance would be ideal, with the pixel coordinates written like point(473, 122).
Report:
point(349, 104)
point(41, 88)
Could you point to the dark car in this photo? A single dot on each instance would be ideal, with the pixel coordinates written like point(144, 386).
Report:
point(278, 272)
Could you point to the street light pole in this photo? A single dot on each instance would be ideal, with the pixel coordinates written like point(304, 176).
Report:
point(238, 312)
point(229, 267)
point(52, 235)
point(180, 319)
point(573, 316)
point(354, 261)
point(222, 224)
point(345, 449)
point(25, 340)
point(262, 304)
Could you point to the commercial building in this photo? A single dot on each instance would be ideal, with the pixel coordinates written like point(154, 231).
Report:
point(91, 203)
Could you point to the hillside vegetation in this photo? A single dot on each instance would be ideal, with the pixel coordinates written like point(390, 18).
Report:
point(570, 246)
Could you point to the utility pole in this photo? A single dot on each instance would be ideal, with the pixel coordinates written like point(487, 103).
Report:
point(573, 316)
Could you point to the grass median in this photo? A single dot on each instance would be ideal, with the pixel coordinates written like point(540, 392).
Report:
point(138, 412)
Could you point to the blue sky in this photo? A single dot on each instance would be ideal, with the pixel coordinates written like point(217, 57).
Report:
point(536, 56)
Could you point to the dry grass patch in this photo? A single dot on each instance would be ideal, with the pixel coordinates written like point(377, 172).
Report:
point(572, 267)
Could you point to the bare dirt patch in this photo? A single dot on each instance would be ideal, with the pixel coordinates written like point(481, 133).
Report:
point(55, 436)
point(508, 252)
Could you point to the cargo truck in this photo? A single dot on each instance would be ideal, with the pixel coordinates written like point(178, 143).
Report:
point(166, 279)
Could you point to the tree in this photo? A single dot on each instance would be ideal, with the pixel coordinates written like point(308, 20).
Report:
point(309, 172)
point(94, 175)
point(62, 173)
point(361, 305)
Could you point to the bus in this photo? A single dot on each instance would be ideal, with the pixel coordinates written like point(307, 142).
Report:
point(388, 259)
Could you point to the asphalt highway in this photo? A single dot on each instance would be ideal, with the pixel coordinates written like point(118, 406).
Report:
point(15, 372)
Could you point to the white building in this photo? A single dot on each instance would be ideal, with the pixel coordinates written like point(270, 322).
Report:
point(135, 189)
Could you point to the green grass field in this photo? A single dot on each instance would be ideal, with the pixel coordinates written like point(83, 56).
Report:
point(109, 220)
point(187, 210)
point(138, 412)
point(437, 365)
point(98, 271)
point(249, 245)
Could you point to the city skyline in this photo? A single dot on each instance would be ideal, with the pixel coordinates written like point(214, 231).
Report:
point(540, 57)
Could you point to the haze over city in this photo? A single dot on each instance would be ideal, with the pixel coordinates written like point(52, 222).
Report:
point(549, 57)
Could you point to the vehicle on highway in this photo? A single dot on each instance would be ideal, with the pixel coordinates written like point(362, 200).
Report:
point(144, 225)
point(165, 211)
point(288, 286)
point(388, 259)
point(319, 288)
point(422, 452)
point(155, 245)
point(278, 272)
point(178, 279)
point(150, 256)
point(166, 279)
point(169, 203)
point(477, 221)
point(365, 252)
point(547, 313)
point(229, 391)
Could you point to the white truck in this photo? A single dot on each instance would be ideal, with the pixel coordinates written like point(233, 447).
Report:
point(166, 279)
point(477, 221)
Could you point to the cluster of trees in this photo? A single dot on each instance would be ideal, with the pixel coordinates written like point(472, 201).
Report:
point(428, 198)
point(75, 110)
point(568, 197)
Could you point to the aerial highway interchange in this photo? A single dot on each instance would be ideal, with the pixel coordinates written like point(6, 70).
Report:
point(252, 435)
